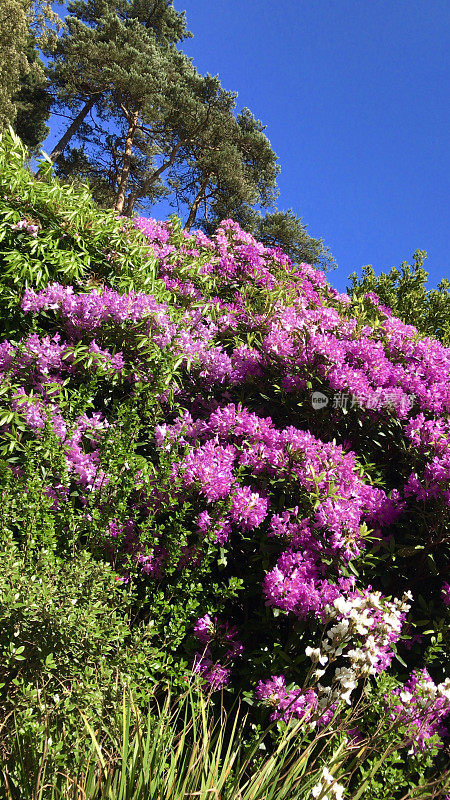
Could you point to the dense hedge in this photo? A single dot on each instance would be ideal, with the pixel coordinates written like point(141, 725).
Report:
point(214, 463)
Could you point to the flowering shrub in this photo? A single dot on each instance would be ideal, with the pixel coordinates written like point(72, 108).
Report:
point(169, 426)
point(421, 708)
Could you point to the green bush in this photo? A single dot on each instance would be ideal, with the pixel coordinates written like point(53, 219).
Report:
point(67, 644)
point(405, 292)
point(75, 242)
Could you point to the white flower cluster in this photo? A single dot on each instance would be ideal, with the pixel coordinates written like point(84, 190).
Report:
point(370, 619)
point(327, 788)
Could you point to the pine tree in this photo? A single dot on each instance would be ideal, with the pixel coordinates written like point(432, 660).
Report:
point(144, 114)
point(126, 133)
point(112, 47)
point(228, 164)
point(192, 105)
point(33, 100)
point(14, 31)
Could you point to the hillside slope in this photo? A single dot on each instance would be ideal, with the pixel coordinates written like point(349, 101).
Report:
point(250, 470)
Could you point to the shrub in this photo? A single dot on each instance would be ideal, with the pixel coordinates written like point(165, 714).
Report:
point(263, 463)
point(404, 291)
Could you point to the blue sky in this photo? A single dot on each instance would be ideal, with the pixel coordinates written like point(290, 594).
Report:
point(355, 96)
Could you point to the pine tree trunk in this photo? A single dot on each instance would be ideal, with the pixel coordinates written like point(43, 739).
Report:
point(73, 127)
point(133, 196)
point(196, 204)
point(125, 171)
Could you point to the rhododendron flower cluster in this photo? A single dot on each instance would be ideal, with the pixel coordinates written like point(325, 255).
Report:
point(207, 630)
point(287, 703)
point(421, 706)
point(88, 312)
point(213, 673)
point(223, 636)
point(291, 497)
point(432, 438)
point(27, 226)
point(305, 331)
point(366, 626)
point(236, 439)
point(446, 593)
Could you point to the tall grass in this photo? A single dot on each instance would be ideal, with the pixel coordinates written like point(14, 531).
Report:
point(191, 747)
point(188, 747)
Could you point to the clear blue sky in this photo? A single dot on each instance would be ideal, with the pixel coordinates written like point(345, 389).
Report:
point(355, 95)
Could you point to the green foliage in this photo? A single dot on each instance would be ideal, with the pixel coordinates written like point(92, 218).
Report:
point(404, 291)
point(65, 643)
point(73, 629)
point(13, 62)
point(77, 244)
point(32, 101)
